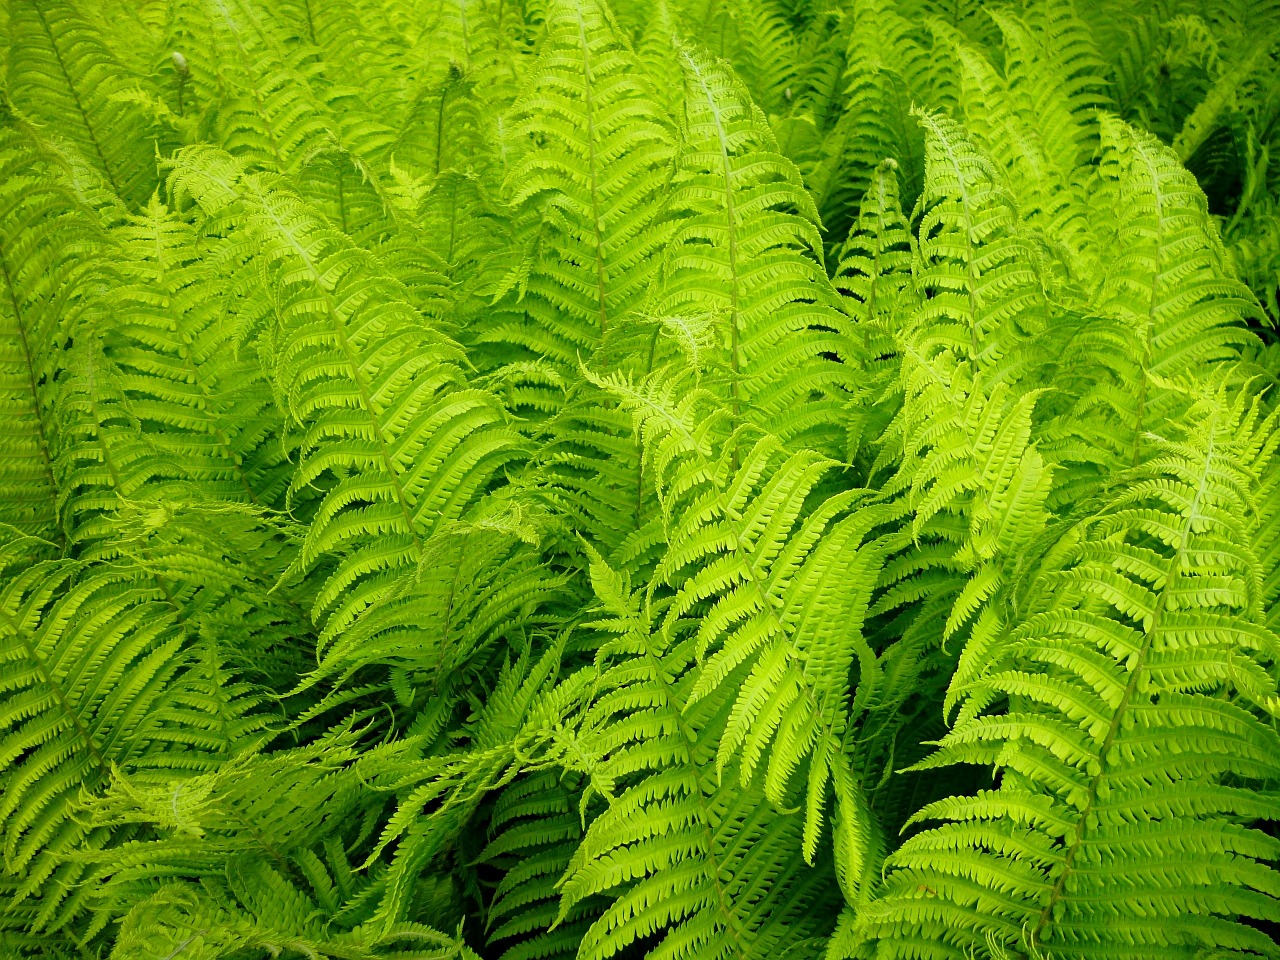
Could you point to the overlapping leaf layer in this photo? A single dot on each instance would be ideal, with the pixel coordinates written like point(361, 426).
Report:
point(680, 479)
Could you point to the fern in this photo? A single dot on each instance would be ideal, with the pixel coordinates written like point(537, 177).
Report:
point(1141, 627)
point(746, 254)
point(34, 211)
point(418, 449)
point(696, 844)
point(62, 73)
point(588, 197)
point(1166, 285)
point(575, 479)
point(92, 658)
point(211, 410)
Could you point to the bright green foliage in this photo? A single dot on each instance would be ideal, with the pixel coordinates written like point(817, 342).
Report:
point(688, 480)
point(1143, 631)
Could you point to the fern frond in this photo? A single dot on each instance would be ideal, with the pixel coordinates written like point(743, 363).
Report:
point(451, 228)
point(755, 39)
point(588, 189)
point(746, 251)
point(1007, 131)
point(887, 71)
point(457, 118)
point(536, 829)
point(61, 74)
point(971, 335)
point(978, 304)
point(1122, 716)
point(397, 440)
point(90, 658)
point(257, 911)
point(270, 104)
point(521, 728)
point(688, 861)
point(875, 283)
point(474, 584)
point(104, 456)
point(202, 405)
point(196, 825)
point(37, 236)
point(1054, 72)
point(361, 47)
point(1178, 306)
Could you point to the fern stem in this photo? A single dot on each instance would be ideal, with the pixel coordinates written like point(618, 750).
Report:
point(342, 196)
point(43, 437)
point(677, 708)
point(731, 217)
point(311, 24)
point(59, 695)
point(589, 106)
point(1149, 326)
point(182, 946)
point(444, 96)
point(466, 31)
point(447, 628)
point(653, 350)
point(1139, 664)
point(75, 96)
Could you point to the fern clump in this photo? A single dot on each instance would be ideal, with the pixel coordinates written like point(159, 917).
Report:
point(596, 479)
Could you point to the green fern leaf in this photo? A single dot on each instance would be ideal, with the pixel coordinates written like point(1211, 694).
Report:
point(1130, 729)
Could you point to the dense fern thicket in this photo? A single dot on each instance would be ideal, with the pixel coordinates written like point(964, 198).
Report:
point(681, 479)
